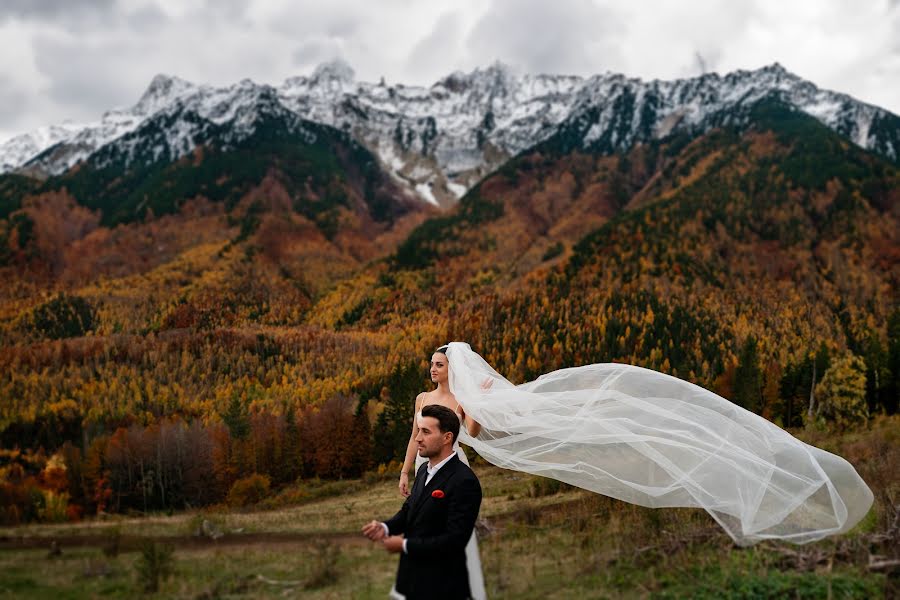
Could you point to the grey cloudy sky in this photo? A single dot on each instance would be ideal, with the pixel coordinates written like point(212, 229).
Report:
point(73, 59)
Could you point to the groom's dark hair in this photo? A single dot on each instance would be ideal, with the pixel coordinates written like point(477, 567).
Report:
point(446, 418)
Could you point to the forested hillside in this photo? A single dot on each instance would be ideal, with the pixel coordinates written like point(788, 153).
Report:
point(243, 310)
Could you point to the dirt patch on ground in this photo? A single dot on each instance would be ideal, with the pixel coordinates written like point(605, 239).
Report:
point(129, 543)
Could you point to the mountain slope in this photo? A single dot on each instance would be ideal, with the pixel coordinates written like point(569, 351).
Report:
point(740, 258)
point(670, 256)
point(784, 234)
point(145, 170)
point(275, 208)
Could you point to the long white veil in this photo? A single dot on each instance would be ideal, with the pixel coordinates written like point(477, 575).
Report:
point(655, 440)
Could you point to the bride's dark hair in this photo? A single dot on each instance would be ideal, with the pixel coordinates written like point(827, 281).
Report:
point(443, 349)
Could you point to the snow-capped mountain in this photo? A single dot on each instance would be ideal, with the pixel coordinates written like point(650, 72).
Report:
point(614, 112)
point(179, 126)
point(18, 150)
point(442, 139)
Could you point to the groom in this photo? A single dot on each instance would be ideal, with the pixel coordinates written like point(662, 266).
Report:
point(434, 524)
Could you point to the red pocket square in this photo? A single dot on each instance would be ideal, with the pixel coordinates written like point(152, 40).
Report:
point(437, 494)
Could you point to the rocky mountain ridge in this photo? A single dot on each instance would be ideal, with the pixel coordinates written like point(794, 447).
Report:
point(441, 140)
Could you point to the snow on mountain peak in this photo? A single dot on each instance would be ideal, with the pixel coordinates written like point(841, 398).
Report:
point(447, 137)
point(336, 70)
point(497, 78)
point(162, 91)
point(777, 68)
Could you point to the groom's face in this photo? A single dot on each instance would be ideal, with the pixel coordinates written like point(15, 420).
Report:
point(430, 440)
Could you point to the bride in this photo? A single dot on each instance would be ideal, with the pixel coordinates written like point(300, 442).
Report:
point(444, 397)
point(649, 439)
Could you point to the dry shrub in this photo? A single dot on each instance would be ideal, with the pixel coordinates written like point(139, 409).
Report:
point(291, 496)
point(249, 490)
point(544, 486)
point(527, 513)
point(384, 472)
point(584, 516)
point(154, 565)
point(874, 451)
point(74, 512)
point(12, 498)
point(324, 567)
point(55, 507)
point(112, 542)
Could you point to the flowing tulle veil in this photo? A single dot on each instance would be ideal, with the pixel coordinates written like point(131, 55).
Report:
point(655, 440)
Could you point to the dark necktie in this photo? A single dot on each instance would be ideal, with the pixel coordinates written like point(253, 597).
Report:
point(418, 487)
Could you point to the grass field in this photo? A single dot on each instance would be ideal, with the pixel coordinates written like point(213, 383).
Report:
point(537, 540)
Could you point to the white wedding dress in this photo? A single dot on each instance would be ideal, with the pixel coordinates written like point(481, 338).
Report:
point(655, 440)
point(473, 559)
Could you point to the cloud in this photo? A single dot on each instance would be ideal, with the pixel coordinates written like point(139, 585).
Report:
point(87, 78)
point(564, 36)
point(316, 51)
point(13, 98)
point(229, 8)
point(337, 19)
point(74, 59)
point(429, 55)
point(50, 10)
point(146, 19)
point(663, 41)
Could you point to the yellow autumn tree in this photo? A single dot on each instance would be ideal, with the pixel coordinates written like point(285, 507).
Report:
point(842, 393)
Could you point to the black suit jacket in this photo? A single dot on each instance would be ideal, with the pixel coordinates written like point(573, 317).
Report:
point(437, 530)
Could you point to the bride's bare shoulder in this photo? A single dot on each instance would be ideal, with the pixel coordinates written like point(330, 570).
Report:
point(429, 398)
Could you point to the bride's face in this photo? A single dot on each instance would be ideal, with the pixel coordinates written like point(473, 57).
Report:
point(439, 367)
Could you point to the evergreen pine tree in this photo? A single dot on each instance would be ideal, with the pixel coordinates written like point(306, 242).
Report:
point(748, 380)
point(236, 418)
point(877, 374)
point(892, 386)
point(292, 458)
point(394, 424)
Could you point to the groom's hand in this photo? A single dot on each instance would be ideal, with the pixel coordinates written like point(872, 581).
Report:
point(394, 543)
point(374, 531)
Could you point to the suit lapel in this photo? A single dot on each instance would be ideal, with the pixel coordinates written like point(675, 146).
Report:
point(441, 476)
point(424, 491)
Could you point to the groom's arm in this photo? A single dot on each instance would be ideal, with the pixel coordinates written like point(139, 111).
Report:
point(397, 524)
point(461, 516)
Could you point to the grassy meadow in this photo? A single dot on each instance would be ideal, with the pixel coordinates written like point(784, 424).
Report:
point(538, 539)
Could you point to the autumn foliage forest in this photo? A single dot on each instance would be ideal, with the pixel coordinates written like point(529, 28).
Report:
point(190, 333)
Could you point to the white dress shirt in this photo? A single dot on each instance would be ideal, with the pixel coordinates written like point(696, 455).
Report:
point(433, 470)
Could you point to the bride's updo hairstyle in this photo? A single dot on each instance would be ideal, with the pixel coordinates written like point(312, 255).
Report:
point(443, 349)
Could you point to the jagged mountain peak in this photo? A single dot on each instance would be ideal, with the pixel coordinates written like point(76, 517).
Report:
point(497, 71)
point(776, 68)
point(162, 91)
point(336, 70)
point(330, 79)
point(497, 79)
